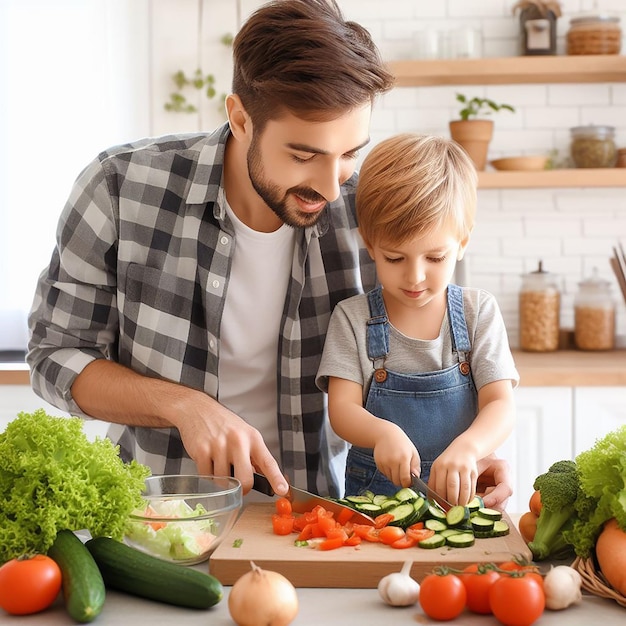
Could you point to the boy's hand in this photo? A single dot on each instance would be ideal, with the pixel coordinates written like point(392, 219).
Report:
point(396, 456)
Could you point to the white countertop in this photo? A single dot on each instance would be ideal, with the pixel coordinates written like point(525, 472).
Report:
point(344, 607)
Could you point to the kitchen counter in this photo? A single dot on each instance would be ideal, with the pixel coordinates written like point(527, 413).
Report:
point(564, 368)
point(345, 607)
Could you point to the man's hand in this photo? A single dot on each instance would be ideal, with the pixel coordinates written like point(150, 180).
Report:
point(494, 483)
point(222, 443)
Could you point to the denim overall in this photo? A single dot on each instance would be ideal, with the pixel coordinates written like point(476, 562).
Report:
point(432, 408)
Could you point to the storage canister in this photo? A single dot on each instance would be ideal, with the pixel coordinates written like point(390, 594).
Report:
point(594, 314)
point(594, 33)
point(593, 146)
point(539, 310)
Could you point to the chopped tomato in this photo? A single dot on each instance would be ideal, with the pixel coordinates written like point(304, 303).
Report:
point(306, 533)
point(326, 524)
point(331, 544)
point(282, 524)
point(416, 526)
point(404, 542)
point(345, 515)
point(389, 534)
point(380, 521)
point(419, 534)
point(283, 506)
point(369, 533)
point(352, 540)
point(337, 533)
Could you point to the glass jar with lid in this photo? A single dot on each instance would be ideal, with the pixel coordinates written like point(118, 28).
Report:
point(539, 310)
point(593, 146)
point(594, 314)
point(594, 33)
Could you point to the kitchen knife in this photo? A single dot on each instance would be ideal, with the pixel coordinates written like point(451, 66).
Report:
point(420, 485)
point(304, 501)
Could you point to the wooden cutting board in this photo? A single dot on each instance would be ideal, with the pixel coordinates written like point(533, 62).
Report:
point(347, 567)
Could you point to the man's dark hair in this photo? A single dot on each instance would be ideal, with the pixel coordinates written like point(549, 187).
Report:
point(303, 57)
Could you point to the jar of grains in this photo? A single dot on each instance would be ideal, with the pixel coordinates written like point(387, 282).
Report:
point(593, 146)
point(594, 314)
point(539, 310)
point(594, 33)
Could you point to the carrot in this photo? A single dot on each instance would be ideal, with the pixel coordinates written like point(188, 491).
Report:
point(528, 526)
point(534, 503)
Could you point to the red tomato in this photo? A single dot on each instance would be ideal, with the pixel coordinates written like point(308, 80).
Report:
point(477, 584)
point(442, 596)
point(529, 570)
point(283, 506)
point(29, 584)
point(380, 521)
point(389, 534)
point(517, 600)
point(404, 542)
point(418, 534)
point(282, 524)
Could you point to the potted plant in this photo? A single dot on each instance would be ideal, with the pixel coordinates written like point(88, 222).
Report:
point(471, 131)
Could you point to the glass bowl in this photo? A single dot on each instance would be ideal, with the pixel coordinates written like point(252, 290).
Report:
point(185, 516)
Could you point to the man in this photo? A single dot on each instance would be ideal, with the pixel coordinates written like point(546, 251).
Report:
point(188, 296)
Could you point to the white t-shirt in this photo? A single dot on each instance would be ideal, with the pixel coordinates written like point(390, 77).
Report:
point(253, 310)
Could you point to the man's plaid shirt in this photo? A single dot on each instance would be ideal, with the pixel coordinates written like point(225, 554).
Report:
point(139, 275)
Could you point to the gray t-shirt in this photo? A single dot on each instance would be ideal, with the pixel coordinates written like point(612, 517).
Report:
point(345, 349)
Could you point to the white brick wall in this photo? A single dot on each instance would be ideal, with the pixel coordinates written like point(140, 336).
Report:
point(572, 230)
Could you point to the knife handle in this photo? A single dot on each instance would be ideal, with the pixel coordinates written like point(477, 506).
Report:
point(262, 485)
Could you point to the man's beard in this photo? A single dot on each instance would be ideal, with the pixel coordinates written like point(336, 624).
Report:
point(271, 194)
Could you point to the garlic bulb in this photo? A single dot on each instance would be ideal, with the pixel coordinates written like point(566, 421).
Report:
point(399, 589)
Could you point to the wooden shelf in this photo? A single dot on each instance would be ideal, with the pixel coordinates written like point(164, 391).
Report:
point(511, 70)
point(610, 177)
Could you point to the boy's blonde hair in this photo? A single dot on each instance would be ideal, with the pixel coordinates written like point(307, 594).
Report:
point(411, 184)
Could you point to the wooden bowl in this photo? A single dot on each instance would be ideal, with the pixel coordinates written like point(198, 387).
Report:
point(521, 163)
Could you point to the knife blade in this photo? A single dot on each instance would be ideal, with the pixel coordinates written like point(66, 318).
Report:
point(304, 501)
point(420, 485)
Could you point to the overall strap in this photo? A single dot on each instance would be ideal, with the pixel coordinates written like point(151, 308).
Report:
point(458, 325)
point(377, 327)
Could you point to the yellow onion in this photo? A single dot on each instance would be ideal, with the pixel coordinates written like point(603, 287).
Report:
point(262, 597)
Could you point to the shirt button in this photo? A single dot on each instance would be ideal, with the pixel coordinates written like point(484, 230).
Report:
point(216, 284)
point(212, 343)
point(224, 240)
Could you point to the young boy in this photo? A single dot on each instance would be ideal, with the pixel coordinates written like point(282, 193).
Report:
point(418, 371)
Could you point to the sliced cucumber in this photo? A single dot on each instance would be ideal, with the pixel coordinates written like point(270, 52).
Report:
point(460, 540)
point(457, 515)
point(389, 503)
point(475, 504)
point(421, 507)
point(380, 499)
point(436, 541)
point(436, 513)
point(406, 494)
point(490, 514)
point(368, 494)
point(436, 525)
point(500, 528)
point(450, 531)
point(358, 499)
point(369, 508)
point(403, 515)
point(482, 524)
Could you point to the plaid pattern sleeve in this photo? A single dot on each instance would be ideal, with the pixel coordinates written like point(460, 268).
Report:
point(138, 276)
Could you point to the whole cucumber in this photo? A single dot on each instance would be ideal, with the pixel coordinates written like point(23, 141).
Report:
point(131, 571)
point(83, 587)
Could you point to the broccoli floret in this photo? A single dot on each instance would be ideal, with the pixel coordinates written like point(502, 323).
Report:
point(559, 488)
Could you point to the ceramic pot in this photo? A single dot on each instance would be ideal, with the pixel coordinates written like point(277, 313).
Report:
point(474, 136)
